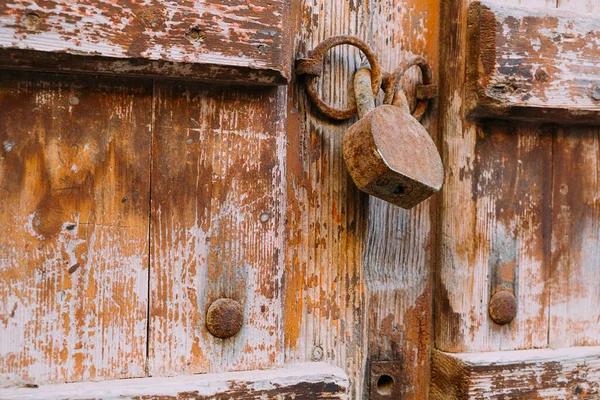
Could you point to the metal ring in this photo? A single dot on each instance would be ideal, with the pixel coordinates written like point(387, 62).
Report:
point(316, 55)
point(391, 83)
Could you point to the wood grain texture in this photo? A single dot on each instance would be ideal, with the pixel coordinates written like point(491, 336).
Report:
point(326, 214)
point(575, 292)
point(574, 287)
point(74, 188)
point(572, 373)
point(495, 211)
point(399, 256)
point(301, 381)
point(331, 308)
point(532, 64)
point(218, 40)
point(218, 195)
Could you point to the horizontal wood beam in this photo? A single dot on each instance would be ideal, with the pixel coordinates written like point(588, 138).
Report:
point(532, 64)
point(306, 381)
point(224, 40)
point(525, 374)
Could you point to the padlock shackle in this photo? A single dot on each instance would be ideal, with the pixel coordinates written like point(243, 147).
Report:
point(401, 101)
point(365, 101)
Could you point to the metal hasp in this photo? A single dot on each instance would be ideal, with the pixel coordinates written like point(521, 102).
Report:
point(312, 67)
point(388, 153)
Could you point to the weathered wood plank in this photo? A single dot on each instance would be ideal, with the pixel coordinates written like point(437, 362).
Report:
point(532, 64)
point(217, 226)
point(326, 217)
point(240, 40)
point(400, 246)
point(495, 210)
point(301, 381)
point(327, 316)
point(575, 287)
point(505, 223)
point(526, 374)
point(575, 291)
point(74, 189)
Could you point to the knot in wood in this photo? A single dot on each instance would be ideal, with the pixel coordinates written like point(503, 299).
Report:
point(503, 307)
point(224, 318)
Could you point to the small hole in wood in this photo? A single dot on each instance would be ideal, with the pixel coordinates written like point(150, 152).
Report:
point(32, 21)
point(385, 385)
point(195, 35)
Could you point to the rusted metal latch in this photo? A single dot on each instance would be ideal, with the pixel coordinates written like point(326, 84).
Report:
point(312, 68)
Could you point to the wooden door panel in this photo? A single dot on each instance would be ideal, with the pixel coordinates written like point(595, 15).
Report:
point(571, 373)
point(314, 381)
point(533, 64)
point(575, 293)
point(495, 214)
point(537, 182)
point(217, 226)
point(74, 189)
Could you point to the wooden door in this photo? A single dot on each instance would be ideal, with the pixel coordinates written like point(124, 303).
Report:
point(518, 212)
point(159, 157)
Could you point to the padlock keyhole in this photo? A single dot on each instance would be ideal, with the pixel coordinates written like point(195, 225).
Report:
point(401, 190)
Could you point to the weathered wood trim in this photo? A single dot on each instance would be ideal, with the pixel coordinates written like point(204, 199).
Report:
point(306, 380)
point(239, 41)
point(532, 64)
point(525, 374)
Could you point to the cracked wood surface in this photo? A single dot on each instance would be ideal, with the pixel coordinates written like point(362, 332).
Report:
point(245, 207)
point(217, 229)
point(495, 214)
point(241, 40)
point(575, 273)
point(532, 64)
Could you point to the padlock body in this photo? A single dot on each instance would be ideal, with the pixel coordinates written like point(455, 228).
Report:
point(390, 155)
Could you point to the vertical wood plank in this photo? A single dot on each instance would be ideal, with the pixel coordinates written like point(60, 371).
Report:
point(575, 292)
point(74, 188)
point(495, 210)
point(326, 215)
point(328, 316)
point(217, 226)
point(400, 251)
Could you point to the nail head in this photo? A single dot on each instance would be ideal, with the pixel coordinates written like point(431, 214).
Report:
point(224, 318)
point(503, 307)
point(596, 92)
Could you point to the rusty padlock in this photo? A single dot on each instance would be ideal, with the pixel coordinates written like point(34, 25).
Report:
point(389, 154)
